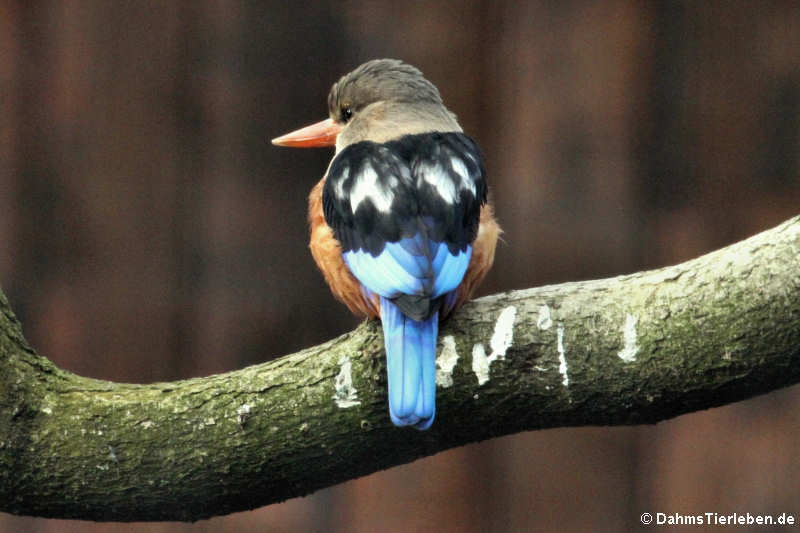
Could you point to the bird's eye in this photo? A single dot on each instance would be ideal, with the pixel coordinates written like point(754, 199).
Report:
point(347, 113)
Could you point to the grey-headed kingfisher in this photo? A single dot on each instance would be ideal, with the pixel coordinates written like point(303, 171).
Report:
point(400, 224)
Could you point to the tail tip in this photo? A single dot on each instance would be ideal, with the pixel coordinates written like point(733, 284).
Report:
point(412, 420)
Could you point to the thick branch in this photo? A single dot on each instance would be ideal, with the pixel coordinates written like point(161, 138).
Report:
point(627, 350)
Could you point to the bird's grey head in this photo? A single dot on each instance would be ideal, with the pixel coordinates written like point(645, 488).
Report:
point(384, 99)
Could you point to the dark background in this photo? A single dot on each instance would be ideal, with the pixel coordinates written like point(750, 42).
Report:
point(149, 231)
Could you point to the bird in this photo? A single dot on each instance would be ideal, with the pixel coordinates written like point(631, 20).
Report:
point(400, 223)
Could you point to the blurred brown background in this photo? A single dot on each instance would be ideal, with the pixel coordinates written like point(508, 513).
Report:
point(149, 232)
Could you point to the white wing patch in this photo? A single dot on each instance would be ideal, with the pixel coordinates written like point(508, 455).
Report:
point(367, 186)
point(461, 169)
point(446, 185)
point(440, 181)
point(338, 187)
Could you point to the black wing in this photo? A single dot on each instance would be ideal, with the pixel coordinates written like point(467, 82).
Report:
point(406, 213)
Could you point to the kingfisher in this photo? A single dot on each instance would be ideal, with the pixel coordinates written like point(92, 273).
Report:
point(400, 224)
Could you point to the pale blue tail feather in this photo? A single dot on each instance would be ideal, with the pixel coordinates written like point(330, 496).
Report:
point(412, 266)
point(411, 363)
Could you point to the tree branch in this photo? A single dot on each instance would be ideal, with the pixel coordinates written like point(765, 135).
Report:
point(627, 350)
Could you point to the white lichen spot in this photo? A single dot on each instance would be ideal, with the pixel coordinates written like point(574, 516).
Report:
point(562, 360)
point(629, 350)
point(209, 421)
point(501, 341)
point(480, 363)
point(47, 410)
point(503, 335)
point(243, 413)
point(344, 392)
point(147, 424)
point(544, 322)
point(446, 362)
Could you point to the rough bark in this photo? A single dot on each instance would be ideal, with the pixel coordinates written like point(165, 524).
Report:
point(627, 350)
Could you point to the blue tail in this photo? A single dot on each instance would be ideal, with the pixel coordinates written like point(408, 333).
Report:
point(411, 363)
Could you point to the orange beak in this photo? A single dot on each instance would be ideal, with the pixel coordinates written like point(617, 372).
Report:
point(322, 133)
